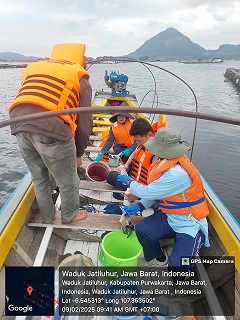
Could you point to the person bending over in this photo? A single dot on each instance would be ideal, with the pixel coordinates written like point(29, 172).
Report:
point(55, 145)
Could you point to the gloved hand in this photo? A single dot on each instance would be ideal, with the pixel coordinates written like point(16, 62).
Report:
point(98, 157)
point(133, 209)
point(124, 179)
point(126, 153)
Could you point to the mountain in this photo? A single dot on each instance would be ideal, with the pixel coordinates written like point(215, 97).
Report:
point(166, 45)
point(173, 45)
point(16, 57)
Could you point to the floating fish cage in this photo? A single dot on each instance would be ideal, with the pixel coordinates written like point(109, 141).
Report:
point(233, 75)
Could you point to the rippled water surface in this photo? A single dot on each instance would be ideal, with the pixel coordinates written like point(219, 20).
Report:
point(217, 147)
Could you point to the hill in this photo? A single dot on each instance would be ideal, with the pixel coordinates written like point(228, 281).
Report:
point(173, 45)
point(166, 45)
point(12, 56)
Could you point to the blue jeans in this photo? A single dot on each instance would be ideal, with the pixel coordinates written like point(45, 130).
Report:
point(42, 155)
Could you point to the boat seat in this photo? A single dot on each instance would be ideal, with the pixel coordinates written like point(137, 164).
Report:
point(95, 138)
point(102, 122)
point(102, 115)
point(98, 186)
point(98, 105)
point(100, 129)
point(95, 149)
point(94, 221)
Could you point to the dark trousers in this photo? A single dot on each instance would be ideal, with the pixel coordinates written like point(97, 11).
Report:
point(112, 179)
point(155, 227)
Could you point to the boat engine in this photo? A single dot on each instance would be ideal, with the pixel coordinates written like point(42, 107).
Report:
point(117, 82)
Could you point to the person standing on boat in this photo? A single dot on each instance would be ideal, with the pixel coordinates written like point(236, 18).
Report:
point(119, 137)
point(55, 144)
point(176, 186)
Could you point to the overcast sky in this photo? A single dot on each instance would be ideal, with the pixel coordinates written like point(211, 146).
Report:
point(113, 27)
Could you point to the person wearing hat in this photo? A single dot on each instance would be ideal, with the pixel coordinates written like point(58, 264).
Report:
point(175, 185)
point(119, 136)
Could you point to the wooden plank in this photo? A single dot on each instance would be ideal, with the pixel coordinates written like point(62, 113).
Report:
point(43, 247)
point(100, 129)
point(95, 138)
point(237, 294)
point(73, 246)
point(96, 186)
point(209, 292)
point(102, 115)
point(22, 253)
point(91, 250)
point(94, 221)
point(96, 149)
point(93, 149)
point(99, 196)
point(77, 235)
point(102, 122)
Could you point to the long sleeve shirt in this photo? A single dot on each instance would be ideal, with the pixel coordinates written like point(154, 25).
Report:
point(55, 127)
point(110, 140)
point(174, 181)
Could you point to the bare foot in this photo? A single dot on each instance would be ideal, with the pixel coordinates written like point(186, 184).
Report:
point(81, 214)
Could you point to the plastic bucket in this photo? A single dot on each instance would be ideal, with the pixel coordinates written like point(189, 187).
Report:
point(113, 161)
point(97, 171)
point(118, 250)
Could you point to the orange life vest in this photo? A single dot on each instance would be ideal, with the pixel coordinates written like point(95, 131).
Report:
point(104, 137)
point(161, 123)
point(121, 133)
point(192, 201)
point(53, 85)
point(140, 165)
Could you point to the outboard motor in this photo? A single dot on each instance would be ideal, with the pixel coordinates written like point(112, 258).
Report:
point(117, 82)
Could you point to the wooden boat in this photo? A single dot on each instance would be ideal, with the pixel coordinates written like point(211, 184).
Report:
point(26, 241)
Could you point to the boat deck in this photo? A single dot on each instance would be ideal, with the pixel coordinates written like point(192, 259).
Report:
point(42, 244)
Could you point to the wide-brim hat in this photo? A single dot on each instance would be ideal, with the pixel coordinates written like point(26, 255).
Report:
point(166, 144)
point(125, 114)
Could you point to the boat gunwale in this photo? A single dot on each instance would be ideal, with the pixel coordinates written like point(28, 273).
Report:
point(14, 200)
point(225, 225)
point(15, 223)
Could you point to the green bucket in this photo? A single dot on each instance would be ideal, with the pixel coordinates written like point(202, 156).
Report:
point(118, 250)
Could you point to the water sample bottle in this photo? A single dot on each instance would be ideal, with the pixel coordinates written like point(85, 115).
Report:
point(125, 201)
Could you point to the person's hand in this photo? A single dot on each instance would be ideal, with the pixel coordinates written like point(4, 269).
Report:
point(119, 168)
point(79, 161)
point(124, 179)
point(133, 209)
point(98, 157)
point(130, 197)
point(126, 153)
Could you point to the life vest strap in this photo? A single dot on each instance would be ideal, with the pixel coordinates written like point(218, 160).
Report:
point(179, 205)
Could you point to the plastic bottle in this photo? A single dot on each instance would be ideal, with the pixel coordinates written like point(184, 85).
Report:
point(125, 201)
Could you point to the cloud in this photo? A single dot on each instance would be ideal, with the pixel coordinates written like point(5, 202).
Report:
point(113, 27)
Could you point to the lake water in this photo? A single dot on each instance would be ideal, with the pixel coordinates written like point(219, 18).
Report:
point(217, 148)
